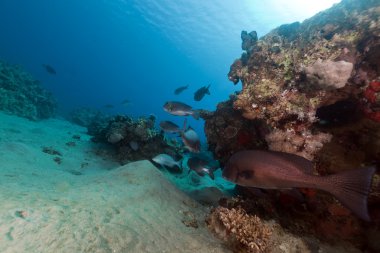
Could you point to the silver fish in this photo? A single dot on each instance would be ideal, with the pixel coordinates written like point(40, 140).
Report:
point(166, 160)
point(278, 170)
point(180, 109)
point(169, 127)
point(180, 89)
point(201, 92)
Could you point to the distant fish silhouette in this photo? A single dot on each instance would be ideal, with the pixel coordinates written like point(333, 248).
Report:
point(126, 102)
point(49, 69)
point(180, 89)
point(200, 93)
point(109, 106)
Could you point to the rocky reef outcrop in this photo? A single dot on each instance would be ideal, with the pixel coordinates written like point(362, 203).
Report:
point(132, 139)
point(310, 89)
point(23, 95)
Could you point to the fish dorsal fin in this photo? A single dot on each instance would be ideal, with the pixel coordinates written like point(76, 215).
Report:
point(302, 163)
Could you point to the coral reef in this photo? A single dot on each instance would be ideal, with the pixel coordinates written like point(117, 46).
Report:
point(311, 89)
point(22, 95)
point(133, 139)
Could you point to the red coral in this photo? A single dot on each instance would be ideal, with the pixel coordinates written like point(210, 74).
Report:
point(375, 116)
point(375, 86)
point(372, 94)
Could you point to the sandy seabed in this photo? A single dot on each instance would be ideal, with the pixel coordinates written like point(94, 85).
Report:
point(82, 203)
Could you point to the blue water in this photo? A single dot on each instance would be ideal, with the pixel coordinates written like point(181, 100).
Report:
point(107, 51)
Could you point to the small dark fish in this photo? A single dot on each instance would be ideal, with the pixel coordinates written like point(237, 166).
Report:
point(278, 170)
point(180, 89)
point(200, 93)
point(49, 69)
point(191, 139)
point(200, 166)
point(180, 109)
point(169, 127)
point(108, 106)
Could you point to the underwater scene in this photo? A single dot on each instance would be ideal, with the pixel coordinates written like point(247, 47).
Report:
point(165, 126)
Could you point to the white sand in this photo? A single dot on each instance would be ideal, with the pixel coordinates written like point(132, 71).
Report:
point(45, 207)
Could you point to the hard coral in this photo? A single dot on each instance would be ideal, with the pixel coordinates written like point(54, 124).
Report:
point(329, 74)
point(304, 144)
point(245, 232)
point(127, 135)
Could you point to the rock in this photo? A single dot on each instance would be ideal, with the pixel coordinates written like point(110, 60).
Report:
point(328, 74)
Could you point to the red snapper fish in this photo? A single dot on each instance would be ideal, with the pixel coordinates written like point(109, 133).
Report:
point(278, 170)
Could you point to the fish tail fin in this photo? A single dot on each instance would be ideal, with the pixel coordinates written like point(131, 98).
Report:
point(351, 188)
point(195, 114)
point(208, 91)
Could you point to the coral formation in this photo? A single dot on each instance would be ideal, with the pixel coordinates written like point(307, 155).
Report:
point(311, 89)
point(133, 139)
point(23, 95)
point(244, 232)
point(227, 132)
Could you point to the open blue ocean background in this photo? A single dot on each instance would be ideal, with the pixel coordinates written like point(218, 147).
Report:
point(107, 51)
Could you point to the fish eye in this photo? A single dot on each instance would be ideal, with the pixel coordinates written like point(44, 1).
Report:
point(246, 174)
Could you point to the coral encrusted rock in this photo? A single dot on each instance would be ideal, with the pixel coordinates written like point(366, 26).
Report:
point(22, 95)
point(310, 89)
point(239, 230)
